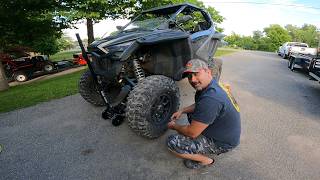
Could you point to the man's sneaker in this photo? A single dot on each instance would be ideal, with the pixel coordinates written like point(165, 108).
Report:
point(195, 165)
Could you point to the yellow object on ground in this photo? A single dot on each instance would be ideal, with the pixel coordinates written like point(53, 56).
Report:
point(227, 88)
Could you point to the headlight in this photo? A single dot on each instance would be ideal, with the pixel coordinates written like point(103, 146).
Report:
point(115, 48)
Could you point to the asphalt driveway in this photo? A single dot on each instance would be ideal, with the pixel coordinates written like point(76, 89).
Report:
point(67, 138)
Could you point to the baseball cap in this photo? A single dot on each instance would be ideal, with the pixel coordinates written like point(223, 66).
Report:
point(194, 65)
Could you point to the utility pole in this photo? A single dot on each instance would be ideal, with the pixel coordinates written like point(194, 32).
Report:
point(318, 49)
point(3, 80)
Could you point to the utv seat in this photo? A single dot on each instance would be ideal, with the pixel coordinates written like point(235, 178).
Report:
point(201, 26)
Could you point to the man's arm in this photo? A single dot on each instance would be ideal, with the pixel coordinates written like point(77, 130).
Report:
point(193, 130)
point(188, 109)
point(177, 115)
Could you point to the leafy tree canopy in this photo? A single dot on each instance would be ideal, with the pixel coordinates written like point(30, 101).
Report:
point(274, 36)
point(25, 23)
point(277, 35)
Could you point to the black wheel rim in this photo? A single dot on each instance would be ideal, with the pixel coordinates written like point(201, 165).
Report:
point(161, 109)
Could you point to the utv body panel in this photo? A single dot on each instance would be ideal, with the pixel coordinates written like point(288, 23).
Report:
point(170, 50)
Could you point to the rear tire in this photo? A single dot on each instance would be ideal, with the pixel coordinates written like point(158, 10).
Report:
point(150, 105)
point(20, 76)
point(284, 56)
point(48, 67)
point(291, 64)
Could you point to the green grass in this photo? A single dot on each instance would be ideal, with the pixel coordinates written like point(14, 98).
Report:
point(224, 51)
point(63, 55)
point(30, 94)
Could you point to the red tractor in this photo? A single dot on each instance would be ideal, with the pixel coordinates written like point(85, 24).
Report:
point(79, 60)
point(21, 69)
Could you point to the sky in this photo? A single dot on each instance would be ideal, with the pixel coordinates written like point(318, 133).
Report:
point(241, 16)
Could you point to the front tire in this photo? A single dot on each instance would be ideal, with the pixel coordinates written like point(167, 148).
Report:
point(216, 68)
point(89, 91)
point(150, 105)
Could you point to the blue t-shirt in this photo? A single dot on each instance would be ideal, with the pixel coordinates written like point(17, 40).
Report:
point(217, 108)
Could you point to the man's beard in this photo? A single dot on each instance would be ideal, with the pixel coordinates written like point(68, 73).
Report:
point(197, 88)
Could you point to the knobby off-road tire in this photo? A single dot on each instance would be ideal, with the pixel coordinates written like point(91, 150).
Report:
point(216, 68)
point(150, 105)
point(89, 91)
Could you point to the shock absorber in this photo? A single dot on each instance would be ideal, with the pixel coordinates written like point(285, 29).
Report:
point(122, 73)
point(123, 69)
point(138, 70)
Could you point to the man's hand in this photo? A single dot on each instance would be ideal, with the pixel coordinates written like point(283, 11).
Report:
point(176, 115)
point(171, 124)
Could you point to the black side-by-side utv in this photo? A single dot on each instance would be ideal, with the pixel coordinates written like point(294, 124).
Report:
point(133, 73)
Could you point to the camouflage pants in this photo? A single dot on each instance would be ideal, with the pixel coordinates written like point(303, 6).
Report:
point(201, 145)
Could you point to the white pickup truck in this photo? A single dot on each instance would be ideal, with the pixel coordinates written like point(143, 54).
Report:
point(302, 50)
point(307, 59)
point(285, 50)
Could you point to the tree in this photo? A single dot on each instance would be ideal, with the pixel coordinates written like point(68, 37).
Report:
point(233, 39)
point(30, 21)
point(293, 32)
point(94, 11)
point(257, 35)
point(264, 44)
point(47, 45)
point(276, 36)
point(309, 35)
point(28, 24)
point(65, 42)
point(247, 42)
point(3, 81)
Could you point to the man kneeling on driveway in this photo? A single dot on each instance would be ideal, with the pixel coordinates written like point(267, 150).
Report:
point(214, 120)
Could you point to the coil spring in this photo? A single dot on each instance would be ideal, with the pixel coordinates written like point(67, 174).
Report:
point(123, 69)
point(138, 70)
point(122, 73)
